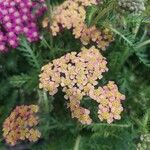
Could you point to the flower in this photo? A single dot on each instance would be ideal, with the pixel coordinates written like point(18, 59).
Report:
point(134, 7)
point(19, 125)
point(17, 18)
point(64, 16)
point(144, 142)
point(77, 74)
point(109, 99)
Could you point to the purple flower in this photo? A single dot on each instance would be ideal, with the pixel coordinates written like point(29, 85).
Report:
point(19, 17)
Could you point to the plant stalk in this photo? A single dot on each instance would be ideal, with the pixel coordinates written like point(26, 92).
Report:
point(77, 143)
point(143, 44)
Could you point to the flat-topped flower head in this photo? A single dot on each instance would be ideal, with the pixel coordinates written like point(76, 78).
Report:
point(144, 142)
point(20, 125)
point(72, 15)
point(74, 70)
point(19, 17)
point(78, 74)
point(135, 7)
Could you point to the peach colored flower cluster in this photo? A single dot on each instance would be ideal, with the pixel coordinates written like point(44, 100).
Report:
point(72, 15)
point(78, 74)
point(19, 125)
point(109, 99)
point(87, 2)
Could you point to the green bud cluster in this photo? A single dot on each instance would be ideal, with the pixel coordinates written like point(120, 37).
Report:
point(145, 142)
point(132, 6)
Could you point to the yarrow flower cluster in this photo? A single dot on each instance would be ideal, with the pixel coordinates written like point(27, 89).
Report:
point(19, 125)
point(109, 99)
point(19, 17)
point(144, 142)
point(134, 6)
point(72, 15)
point(77, 73)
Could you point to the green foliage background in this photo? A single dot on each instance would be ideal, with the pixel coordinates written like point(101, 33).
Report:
point(129, 66)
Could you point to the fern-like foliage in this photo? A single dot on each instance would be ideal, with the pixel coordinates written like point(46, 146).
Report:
point(19, 80)
point(30, 54)
point(128, 60)
point(144, 58)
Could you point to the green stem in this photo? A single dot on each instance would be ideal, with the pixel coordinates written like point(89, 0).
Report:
point(143, 44)
point(45, 98)
point(101, 13)
point(40, 96)
point(113, 125)
point(77, 143)
point(144, 35)
point(136, 30)
point(46, 43)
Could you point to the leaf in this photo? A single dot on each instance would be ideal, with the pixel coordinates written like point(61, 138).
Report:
point(144, 58)
point(128, 39)
point(19, 80)
point(91, 12)
point(30, 54)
